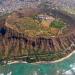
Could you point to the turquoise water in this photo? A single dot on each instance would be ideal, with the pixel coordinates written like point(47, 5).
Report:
point(66, 67)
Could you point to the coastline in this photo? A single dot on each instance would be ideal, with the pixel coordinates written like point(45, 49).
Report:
point(56, 61)
point(43, 62)
point(14, 62)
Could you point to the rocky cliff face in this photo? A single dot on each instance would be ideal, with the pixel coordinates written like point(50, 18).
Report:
point(13, 43)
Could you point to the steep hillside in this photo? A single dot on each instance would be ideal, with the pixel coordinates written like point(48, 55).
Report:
point(16, 39)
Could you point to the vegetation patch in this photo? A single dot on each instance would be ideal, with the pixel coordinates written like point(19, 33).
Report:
point(57, 24)
point(37, 24)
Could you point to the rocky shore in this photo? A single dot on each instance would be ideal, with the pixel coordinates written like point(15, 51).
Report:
point(43, 62)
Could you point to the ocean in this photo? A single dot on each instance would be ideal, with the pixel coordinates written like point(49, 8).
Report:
point(66, 67)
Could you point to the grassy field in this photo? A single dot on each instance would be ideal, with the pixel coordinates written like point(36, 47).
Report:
point(57, 24)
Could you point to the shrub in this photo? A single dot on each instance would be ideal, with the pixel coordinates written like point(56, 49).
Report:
point(57, 24)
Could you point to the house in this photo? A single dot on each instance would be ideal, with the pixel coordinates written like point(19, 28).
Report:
point(45, 17)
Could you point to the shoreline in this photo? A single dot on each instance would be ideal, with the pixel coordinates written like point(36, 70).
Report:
point(14, 62)
point(56, 61)
point(43, 62)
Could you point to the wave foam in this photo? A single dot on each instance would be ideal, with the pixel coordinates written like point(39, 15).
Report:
point(10, 73)
point(1, 74)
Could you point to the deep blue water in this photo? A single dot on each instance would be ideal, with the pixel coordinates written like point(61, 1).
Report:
point(66, 67)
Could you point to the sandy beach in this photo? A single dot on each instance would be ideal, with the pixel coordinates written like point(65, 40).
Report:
point(13, 62)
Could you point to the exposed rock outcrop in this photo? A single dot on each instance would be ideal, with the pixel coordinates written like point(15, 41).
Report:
point(14, 43)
